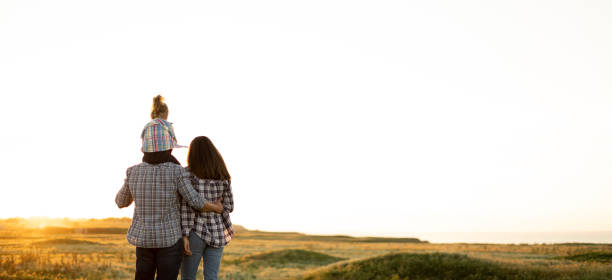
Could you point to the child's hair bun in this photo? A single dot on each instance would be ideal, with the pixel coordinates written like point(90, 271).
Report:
point(159, 108)
point(158, 100)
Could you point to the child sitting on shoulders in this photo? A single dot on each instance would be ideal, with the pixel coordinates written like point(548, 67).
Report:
point(158, 135)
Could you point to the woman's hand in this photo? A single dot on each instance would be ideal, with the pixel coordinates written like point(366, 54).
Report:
point(186, 245)
point(216, 207)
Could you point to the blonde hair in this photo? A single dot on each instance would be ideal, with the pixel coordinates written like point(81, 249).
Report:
point(159, 109)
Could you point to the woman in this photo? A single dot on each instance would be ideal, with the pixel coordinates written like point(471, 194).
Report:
point(206, 233)
point(156, 186)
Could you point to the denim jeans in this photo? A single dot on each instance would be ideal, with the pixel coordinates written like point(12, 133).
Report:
point(199, 249)
point(166, 261)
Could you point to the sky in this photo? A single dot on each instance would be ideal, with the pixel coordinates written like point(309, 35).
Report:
point(334, 117)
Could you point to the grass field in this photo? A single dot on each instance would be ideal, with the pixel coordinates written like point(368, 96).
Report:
point(97, 249)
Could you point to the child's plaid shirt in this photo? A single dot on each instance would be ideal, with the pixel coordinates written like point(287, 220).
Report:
point(158, 135)
point(215, 229)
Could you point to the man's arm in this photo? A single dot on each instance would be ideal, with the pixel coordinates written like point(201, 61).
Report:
point(124, 196)
point(192, 197)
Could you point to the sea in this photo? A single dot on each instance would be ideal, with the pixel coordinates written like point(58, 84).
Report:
point(516, 237)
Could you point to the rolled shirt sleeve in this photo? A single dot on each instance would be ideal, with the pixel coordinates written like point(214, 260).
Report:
point(124, 196)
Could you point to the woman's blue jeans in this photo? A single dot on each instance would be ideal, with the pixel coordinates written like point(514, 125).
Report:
point(199, 249)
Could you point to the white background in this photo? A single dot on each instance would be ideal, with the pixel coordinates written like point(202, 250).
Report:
point(352, 117)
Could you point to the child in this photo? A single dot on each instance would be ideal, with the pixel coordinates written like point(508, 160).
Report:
point(158, 134)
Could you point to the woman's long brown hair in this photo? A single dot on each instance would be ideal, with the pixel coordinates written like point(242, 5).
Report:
point(205, 161)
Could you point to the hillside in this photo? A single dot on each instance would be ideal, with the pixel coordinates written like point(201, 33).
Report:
point(97, 249)
point(439, 266)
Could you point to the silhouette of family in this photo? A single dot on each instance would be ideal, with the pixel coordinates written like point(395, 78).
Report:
point(181, 215)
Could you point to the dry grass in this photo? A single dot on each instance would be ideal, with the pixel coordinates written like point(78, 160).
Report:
point(77, 253)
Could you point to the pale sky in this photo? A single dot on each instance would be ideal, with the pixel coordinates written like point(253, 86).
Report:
point(334, 117)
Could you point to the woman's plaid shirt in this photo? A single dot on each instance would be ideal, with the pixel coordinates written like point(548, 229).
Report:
point(215, 229)
point(156, 190)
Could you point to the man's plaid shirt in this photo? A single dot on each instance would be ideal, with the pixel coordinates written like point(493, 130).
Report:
point(215, 229)
point(155, 189)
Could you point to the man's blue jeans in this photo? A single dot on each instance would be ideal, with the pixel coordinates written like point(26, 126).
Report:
point(199, 249)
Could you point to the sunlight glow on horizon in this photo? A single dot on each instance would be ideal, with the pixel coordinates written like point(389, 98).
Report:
point(334, 117)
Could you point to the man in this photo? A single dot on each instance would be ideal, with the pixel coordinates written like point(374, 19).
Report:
point(156, 186)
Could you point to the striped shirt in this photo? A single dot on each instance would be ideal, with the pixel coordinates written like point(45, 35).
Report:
point(215, 229)
point(156, 190)
point(158, 135)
